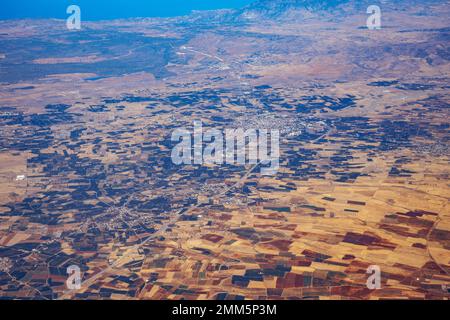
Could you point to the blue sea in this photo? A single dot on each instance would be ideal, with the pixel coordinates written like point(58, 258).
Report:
point(110, 9)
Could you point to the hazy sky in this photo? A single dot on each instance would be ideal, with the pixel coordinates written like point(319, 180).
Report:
point(110, 9)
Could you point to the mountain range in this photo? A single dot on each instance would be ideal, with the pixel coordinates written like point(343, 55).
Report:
point(291, 9)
